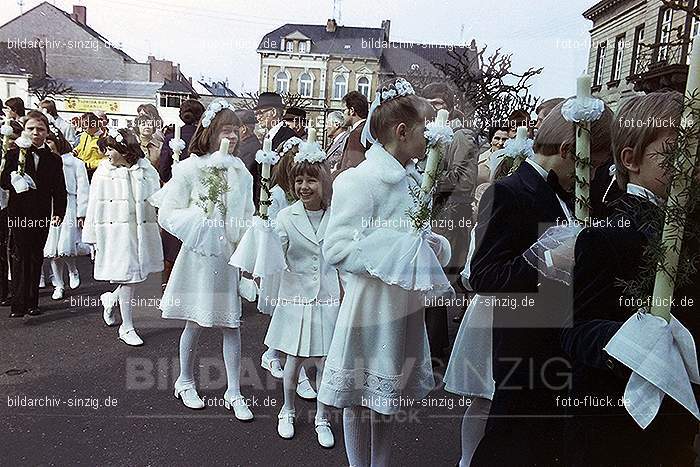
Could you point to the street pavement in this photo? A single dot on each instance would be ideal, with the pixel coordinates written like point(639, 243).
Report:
point(71, 393)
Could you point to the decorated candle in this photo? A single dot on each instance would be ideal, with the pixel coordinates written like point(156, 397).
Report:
point(177, 132)
point(434, 155)
point(311, 138)
point(265, 177)
point(583, 154)
point(223, 148)
point(674, 227)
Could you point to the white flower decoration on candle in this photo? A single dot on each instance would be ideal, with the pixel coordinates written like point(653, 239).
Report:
point(519, 147)
point(437, 134)
point(114, 133)
point(24, 141)
point(266, 157)
point(583, 109)
point(310, 152)
point(213, 108)
point(177, 145)
point(290, 143)
point(6, 129)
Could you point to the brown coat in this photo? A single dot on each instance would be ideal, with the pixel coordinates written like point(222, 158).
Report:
point(354, 151)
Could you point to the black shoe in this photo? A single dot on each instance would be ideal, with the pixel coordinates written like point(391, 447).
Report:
point(34, 312)
point(17, 314)
point(6, 301)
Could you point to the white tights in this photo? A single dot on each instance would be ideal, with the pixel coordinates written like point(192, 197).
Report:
point(367, 437)
point(473, 426)
point(232, 356)
point(292, 374)
point(125, 293)
point(57, 267)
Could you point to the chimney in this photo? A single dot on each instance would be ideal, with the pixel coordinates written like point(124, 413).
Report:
point(331, 25)
point(79, 14)
point(386, 25)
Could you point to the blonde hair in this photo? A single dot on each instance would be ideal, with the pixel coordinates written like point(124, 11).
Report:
point(636, 126)
point(410, 110)
point(557, 131)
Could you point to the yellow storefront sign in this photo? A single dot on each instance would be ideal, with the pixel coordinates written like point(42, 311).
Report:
point(90, 105)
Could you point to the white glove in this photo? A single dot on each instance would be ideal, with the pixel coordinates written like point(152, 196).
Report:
point(21, 183)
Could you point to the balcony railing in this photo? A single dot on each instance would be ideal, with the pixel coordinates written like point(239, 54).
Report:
point(661, 65)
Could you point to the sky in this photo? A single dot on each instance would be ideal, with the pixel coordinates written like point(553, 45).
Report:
point(217, 39)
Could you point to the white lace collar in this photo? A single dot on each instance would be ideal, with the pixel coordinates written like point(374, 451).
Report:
point(642, 192)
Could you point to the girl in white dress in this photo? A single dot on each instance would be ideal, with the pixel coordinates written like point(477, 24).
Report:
point(379, 355)
point(122, 226)
point(309, 296)
point(207, 204)
point(64, 242)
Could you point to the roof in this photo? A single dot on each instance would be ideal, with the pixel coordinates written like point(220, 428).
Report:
point(600, 8)
point(21, 61)
point(104, 87)
point(402, 58)
point(346, 40)
point(178, 86)
point(218, 89)
point(85, 27)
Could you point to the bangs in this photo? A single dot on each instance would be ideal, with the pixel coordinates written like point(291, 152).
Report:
point(306, 168)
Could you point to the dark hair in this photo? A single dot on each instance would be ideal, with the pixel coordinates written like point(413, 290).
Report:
point(358, 102)
point(129, 146)
point(157, 122)
point(16, 104)
point(283, 168)
point(89, 118)
point(191, 111)
point(62, 144)
point(442, 91)
point(319, 171)
point(148, 109)
point(50, 107)
point(411, 110)
point(518, 118)
point(494, 129)
point(17, 128)
point(549, 104)
point(37, 115)
point(200, 144)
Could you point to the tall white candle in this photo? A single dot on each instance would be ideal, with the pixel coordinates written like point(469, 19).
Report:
point(521, 133)
point(223, 148)
point(177, 131)
point(583, 154)
point(434, 156)
point(311, 138)
point(265, 179)
point(674, 228)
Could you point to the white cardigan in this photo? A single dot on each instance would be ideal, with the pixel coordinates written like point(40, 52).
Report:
point(308, 276)
point(117, 201)
point(77, 183)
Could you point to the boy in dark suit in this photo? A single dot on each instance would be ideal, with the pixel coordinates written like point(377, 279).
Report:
point(29, 211)
point(607, 256)
point(529, 368)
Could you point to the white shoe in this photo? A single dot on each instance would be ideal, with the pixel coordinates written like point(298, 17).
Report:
point(57, 293)
point(285, 424)
point(188, 395)
point(74, 279)
point(240, 408)
point(130, 337)
point(42, 282)
point(109, 300)
point(325, 435)
point(305, 391)
point(273, 365)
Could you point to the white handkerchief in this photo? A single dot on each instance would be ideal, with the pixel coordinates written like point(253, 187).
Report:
point(663, 360)
point(260, 250)
point(21, 183)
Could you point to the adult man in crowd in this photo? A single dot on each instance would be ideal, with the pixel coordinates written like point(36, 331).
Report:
point(248, 146)
point(453, 204)
point(49, 107)
point(488, 160)
point(336, 134)
point(268, 113)
point(356, 110)
point(295, 118)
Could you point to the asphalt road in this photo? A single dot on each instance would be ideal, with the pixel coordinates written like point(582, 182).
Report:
point(100, 402)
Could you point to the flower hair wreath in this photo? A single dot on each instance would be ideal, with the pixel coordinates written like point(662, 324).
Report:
point(310, 152)
point(290, 143)
point(116, 135)
point(399, 88)
point(212, 110)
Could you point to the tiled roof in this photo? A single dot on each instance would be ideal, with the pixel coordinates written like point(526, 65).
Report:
point(402, 58)
point(218, 89)
point(346, 40)
point(21, 61)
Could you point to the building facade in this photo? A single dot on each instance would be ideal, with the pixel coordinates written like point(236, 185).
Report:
point(639, 46)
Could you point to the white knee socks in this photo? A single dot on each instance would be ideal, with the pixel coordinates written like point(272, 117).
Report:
point(57, 271)
point(232, 360)
point(356, 431)
point(125, 293)
point(188, 345)
point(382, 429)
point(473, 426)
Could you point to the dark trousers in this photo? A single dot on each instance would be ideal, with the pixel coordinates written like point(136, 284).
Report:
point(436, 327)
point(4, 263)
point(27, 258)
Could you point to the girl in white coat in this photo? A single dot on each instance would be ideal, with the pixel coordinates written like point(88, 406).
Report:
point(379, 355)
point(309, 296)
point(207, 204)
point(122, 226)
point(64, 242)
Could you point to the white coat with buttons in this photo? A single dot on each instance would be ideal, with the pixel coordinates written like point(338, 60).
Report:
point(121, 224)
point(308, 276)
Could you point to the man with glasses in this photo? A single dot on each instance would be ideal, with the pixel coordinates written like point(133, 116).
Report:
point(268, 113)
